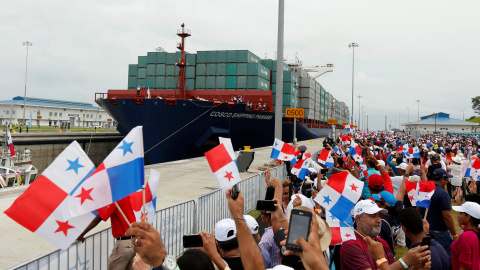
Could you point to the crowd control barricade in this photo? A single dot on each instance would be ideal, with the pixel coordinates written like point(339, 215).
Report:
point(173, 222)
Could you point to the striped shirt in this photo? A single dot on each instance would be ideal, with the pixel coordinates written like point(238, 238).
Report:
point(267, 243)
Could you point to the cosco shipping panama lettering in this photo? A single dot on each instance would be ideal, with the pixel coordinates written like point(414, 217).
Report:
point(186, 101)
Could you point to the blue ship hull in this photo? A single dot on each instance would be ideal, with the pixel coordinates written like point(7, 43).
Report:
point(190, 128)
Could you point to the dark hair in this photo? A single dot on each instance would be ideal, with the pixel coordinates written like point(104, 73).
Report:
point(472, 197)
point(399, 160)
point(195, 259)
point(416, 161)
point(411, 219)
point(229, 245)
point(340, 162)
point(371, 163)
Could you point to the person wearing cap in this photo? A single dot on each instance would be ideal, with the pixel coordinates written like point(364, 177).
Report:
point(466, 249)
point(355, 254)
point(434, 164)
point(227, 243)
point(440, 212)
point(412, 224)
point(252, 225)
point(390, 222)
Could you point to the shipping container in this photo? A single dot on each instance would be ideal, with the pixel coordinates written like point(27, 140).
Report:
point(210, 82)
point(211, 69)
point(200, 69)
point(190, 73)
point(232, 69)
point(170, 70)
point(170, 59)
point(142, 73)
point(220, 82)
point(200, 82)
point(132, 83)
point(289, 100)
point(255, 69)
point(309, 114)
point(190, 84)
point(307, 103)
point(274, 77)
point(268, 63)
point(231, 82)
point(221, 57)
point(161, 57)
point(221, 69)
point(151, 82)
point(211, 56)
point(232, 56)
point(242, 82)
point(151, 57)
point(289, 76)
point(307, 93)
point(160, 82)
point(141, 82)
point(132, 70)
point(307, 82)
point(170, 82)
point(242, 69)
point(160, 70)
point(245, 56)
point(257, 83)
point(151, 70)
point(288, 88)
point(142, 61)
point(201, 57)
point(191, 59)
point(317, 115)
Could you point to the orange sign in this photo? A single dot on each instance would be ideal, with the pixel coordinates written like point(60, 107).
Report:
point(332, 121)
point(344, 124)
point(39, 117)
point(295, 112)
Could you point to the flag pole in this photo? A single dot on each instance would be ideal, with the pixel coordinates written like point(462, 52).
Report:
point(354, 230)
point(426, 212)
point(123, 215)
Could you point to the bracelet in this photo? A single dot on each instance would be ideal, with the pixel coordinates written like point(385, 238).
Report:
point(282, 220)
point(403, 263)
point(455, 236)
point(378, 164)
point(240, 218)
point(380, 261)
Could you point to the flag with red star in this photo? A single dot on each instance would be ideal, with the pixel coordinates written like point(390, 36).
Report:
point(420, 193)
point(223, 164)
point(340, 194)
point(340, 231)
point(150, 199)
point(41, 207)
point(282, 151)
point(119, 175)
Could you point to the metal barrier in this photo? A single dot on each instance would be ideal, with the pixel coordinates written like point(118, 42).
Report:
point(173, 222)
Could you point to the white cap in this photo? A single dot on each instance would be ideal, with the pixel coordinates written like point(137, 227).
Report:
point(225, 230)
point(471, 208)
point(367, 207)
point(403, 166)
point(281, 267)
point(252, 224)
point(381, 162)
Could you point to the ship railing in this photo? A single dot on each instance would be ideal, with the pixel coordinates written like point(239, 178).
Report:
point(101, 96)
point(188, 217)
point(184, 31)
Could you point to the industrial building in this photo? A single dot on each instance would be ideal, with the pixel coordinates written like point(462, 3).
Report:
point(50, 112)
point(440, 123)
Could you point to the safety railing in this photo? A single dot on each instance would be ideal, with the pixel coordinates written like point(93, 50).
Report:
point(173, 222)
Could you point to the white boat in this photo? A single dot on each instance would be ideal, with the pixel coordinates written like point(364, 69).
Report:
point(17, 170)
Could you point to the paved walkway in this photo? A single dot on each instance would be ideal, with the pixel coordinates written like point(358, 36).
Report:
point(179, 181)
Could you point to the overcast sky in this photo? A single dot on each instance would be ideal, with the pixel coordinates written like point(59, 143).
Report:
point(408, 50)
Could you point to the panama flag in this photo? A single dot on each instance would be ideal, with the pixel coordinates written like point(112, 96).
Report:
point(119, 175)
point(40, 208)
point(282, 151)
point(340, 231)
point(356, 152)
point(474, 168)
point(150, 199)
point(340, 194)
point(406, 149)
point(425, 193)
point(400, 149)
point(326, 158)
point(300, 169)
point(413, 152)
point(10, 143)
point(223, 164)
point(337, 150)
point(345, 140)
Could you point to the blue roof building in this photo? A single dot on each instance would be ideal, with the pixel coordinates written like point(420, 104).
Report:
point(440, 123)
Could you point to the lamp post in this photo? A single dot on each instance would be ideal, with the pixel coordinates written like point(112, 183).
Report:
point(418, 114)
point(352, 45)
point(408, 114)
point(436, 123)
point(279, 94)
point(28, 44)
point(359, 115)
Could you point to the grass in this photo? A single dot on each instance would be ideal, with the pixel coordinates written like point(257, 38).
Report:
point(474, 120)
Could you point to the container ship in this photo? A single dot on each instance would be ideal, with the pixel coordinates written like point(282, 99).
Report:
point(186, 101)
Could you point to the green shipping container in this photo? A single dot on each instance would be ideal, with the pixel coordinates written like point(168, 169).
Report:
point(190, 73)
point(201, 57)
point(132, 70)
point(177, 71)
point(290, 76)
point(160, 70)
point(142, 73)
point(211, 56)
point(268, 63)
point(288, 100)
point(170, 59)
point(132, 83)
point(211, 69)
point(160, 82)
point(151, 57)
point(142, 61)
point(170, 82)
point(151, 82)
point(221, 56)
point(221, 69)
point(242, 69)
point(288, 88)
point(242, 82)
point(257, 83)
point(141, 82)
point(232, 56)
point(189, 84)
point(247, 57)
point(220, 82)
point(255, 69)
point(151, 70)
point(231, 82)
point(200, 70)
point(161, 57)
point(191, 59)
point(274, 77)
point(231, 69)
point(200, 82)
point(210, 82)
point(170, 70)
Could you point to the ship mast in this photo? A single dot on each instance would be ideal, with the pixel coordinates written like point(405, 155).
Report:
point(183, 33)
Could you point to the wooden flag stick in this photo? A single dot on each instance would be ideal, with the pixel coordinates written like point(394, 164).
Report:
point(426, 212)
point(144, 208)
point(123, 215)
point(354, 230)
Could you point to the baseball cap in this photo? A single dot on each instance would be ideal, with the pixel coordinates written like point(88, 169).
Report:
point(403, 166)
point(225, 230)
point(375, 181)
point(367, 207)
point(441, 173)
point(252, 224)
point(471, 208)
point(381, 162)
point(385, 197)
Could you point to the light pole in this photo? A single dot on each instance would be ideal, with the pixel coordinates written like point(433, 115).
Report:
point(408, 114)
point(363, 117)
point(436, 123)
point(352, 45)
point(418, 114)
point(359, 115)
point(27, 43)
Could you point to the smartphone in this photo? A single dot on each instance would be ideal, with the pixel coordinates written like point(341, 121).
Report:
point(300, 221)
point(193, 240)
point(364, 152)
point(266, 205)
point(234, 192)
point(323, 171)
point(426, 241)
point(270, 193)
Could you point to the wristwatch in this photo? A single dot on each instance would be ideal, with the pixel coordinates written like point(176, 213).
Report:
point(169, 263)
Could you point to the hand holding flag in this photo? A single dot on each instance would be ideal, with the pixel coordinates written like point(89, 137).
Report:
point(325, 158)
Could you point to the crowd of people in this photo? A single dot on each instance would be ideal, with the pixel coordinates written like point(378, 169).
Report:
point(384, 218)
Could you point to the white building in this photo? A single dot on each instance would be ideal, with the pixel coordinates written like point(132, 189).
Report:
point(441, 123)
point(51, 112)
